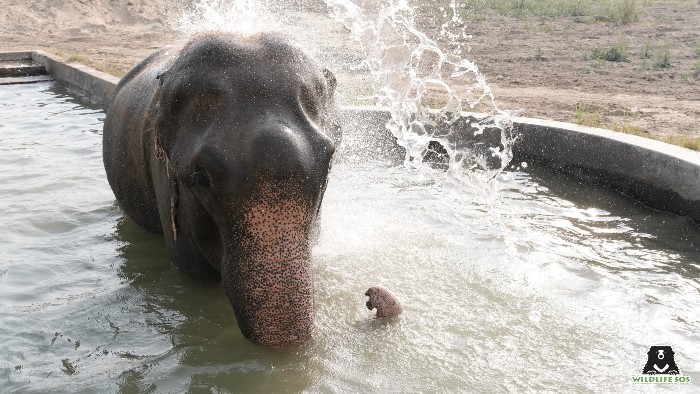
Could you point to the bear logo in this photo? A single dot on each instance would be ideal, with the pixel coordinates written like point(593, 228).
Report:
point(660, 361)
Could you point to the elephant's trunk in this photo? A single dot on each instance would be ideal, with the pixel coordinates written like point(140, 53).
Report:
point(270, 282)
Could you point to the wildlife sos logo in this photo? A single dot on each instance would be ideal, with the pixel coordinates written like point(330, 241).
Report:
point(661, 367)
point(660, 361)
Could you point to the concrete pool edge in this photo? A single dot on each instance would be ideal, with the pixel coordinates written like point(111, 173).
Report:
point(663, 176)
point(96, 85)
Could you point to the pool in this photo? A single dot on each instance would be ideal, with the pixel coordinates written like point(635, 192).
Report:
point(551, 284)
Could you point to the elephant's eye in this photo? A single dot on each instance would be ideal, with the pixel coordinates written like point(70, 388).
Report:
point(198, 178)
point(195, 103)
point(203, 107)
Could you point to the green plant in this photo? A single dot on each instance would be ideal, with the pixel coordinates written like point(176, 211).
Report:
point(540, 54)
point(617, 11)
point(626, 126)
point(617, 52)
point(548, 28)
point(687, 77)
point(696, 51)
point(586, 117)
point(684, 141)
point(696, 69)
point(663, 57)
point(647, 51)
point(519, 8)
point(645, 66)
point(628, 11)
point(595, 66)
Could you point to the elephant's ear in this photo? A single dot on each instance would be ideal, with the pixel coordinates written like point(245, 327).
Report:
point(162, 135)
point(162, 117)
point(332, 123)
point(156, 125)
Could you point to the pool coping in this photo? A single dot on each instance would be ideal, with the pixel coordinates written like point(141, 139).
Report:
point(662, 176)
point(96, 85)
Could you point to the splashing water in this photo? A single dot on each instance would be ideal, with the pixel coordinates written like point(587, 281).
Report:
point(242, 16)
point(559, 267)
point(409, 71)
point(425, 88)
point(460, 39)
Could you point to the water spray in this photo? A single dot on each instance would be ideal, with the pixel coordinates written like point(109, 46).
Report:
point(408, 68)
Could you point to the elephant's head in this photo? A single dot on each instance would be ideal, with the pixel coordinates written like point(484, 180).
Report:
point(244, 124)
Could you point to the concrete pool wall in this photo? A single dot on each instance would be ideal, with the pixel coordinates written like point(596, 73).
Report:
point(96, 85)
point(662, 176)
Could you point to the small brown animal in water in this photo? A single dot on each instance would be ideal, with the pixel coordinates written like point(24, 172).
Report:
point(385, 301)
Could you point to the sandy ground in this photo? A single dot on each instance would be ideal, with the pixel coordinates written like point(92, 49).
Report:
point(541, 67)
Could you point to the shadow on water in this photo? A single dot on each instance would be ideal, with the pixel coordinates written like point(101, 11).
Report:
point(73, 95)
point(206, 348)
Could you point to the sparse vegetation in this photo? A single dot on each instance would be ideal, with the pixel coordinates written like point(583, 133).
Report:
point(645, 66)
point(647, 51)
point(696, 69)
point(696, 51)
point(626, 126)
point(684, 141)
point(687, 77)
point(97, 66)
point(617, 52)
point(590, 116)
point(592, 67)
point(76, 59)
point(615, 11)
point(540, 54)
point(646, 54)
point(586, 117)
point(628, 12)
point(663, 57)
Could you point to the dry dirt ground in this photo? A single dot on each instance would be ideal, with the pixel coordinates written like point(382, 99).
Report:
point(541, 65)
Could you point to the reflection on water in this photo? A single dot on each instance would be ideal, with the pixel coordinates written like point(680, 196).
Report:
point(554, 284)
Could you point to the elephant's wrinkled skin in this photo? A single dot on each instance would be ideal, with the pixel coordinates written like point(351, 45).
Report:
point(225, 146)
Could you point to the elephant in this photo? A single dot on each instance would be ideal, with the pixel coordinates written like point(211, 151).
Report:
point(225, 145)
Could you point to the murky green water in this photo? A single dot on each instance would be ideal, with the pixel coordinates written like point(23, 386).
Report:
point(558, 287)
